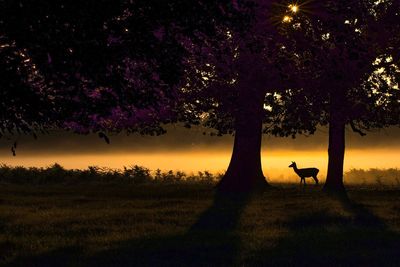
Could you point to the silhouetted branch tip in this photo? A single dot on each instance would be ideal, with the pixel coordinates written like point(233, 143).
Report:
point(356, 130)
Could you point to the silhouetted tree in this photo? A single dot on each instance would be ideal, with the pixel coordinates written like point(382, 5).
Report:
point(233, 86)
point(343, 45)
point(233, 56)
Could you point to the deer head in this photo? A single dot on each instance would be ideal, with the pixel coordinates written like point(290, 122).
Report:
point(292, 165)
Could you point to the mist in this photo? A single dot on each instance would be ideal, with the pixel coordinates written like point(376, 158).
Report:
point(180, 139)
point(190, 150)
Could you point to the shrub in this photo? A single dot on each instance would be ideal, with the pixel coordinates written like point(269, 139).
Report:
point(138, 174)
point(380, 177)
point(93, 174)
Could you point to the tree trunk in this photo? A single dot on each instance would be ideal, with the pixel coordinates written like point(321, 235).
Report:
point(244, 173)
point(336, 150)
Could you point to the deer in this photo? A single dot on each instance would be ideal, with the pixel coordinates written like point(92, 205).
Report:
point(304, 173)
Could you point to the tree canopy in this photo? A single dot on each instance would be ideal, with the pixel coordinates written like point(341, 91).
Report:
point(26, 101)
point(342, 81)
point(117, 64)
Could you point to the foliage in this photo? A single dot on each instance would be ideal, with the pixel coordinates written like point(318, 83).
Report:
point(135, 174)
point(27, 103)
point(348, 71)
point(116, 65)
point(373, 176)
point(349, 66)
point(136, 65)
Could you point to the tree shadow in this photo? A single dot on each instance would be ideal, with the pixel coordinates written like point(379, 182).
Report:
point(210, 241)
point(326, 239)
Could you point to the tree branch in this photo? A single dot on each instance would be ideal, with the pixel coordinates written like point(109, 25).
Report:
point(356, 130)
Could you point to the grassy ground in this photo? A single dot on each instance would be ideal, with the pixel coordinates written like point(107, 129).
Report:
point(181, 225)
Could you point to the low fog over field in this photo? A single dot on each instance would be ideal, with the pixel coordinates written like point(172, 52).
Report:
point(191, 151)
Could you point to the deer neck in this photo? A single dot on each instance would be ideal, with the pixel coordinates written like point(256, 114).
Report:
point(295, 168)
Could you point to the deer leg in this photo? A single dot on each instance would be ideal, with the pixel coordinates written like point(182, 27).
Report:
point(315, 179)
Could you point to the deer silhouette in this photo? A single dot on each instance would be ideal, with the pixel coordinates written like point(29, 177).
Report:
point(304, 173)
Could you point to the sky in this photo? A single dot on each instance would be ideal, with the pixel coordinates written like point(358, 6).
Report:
point(191, 151)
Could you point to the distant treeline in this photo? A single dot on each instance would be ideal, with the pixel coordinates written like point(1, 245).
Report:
point(134, 174)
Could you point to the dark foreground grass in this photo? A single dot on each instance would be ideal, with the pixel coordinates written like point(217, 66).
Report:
point(184, 225)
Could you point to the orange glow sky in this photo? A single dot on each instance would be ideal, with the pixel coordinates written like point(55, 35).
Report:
point(190, 151)
point(275, 162)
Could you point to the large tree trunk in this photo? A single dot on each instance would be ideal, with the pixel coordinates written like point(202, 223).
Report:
point(244, 173)
point(337, 122)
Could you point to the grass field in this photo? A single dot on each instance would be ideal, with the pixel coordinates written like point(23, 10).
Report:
point(187, 224)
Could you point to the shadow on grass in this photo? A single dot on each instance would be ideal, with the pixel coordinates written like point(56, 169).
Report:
point(210, 241)
point(325, 239)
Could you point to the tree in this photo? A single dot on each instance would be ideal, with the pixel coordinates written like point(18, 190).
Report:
point(343, 45)
point(26, 101)
point(228, 66)
point(233, 88)
point(107, 61)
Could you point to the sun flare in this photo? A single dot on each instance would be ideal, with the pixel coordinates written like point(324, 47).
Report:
point(287, 19)
point(294, 8)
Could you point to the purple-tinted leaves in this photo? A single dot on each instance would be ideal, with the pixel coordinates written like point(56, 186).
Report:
point(159, 33)
point(114, 40)
point(235, 5)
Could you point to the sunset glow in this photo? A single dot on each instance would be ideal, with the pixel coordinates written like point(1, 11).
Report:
point(275, 162)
